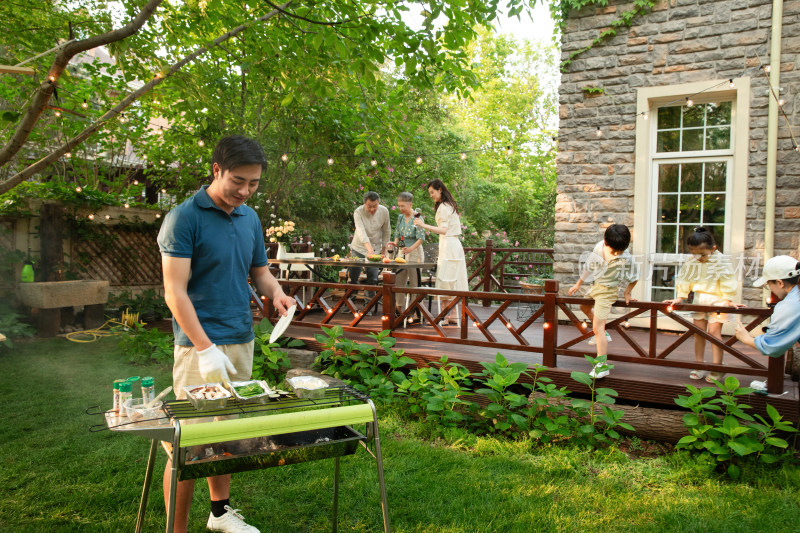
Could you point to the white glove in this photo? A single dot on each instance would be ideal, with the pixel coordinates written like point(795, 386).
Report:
point(214, 365)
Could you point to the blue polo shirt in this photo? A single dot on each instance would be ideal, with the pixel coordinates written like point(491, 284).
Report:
point(784, 327)
point(223, 248)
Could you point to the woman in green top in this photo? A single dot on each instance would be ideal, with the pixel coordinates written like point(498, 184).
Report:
point(409, 239)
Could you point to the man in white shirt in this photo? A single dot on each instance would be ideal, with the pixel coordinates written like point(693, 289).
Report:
point(373, 232)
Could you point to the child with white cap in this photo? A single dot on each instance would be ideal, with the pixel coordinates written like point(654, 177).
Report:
point(781, 274)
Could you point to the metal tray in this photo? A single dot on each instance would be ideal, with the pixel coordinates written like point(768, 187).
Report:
point(259, 398)
point(313, 394)
point(207, 405)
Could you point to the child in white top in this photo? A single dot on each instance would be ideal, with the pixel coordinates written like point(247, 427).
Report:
point(712, 280)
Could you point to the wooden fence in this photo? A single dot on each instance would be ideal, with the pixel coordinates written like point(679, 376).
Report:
point(333, 299)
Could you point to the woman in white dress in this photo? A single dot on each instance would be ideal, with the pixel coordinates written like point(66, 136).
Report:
point(451, 267)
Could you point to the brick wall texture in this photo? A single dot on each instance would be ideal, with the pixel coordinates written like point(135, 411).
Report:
point(679, 41)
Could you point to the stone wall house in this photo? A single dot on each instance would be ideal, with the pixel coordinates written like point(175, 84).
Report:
point(662, 166)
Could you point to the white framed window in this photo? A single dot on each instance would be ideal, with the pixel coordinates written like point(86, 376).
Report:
point(691, 170)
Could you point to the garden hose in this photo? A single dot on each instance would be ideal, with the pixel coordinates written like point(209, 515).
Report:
point(127, 320)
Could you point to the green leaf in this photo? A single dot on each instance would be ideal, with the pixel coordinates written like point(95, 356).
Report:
point(287, 100)
point(582, 377)
point(775, 441)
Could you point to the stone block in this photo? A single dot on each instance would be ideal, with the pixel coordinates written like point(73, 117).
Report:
point(751, 38)
point(667, 38)
point(684, 12)
point(791, 212)
point(694, 46)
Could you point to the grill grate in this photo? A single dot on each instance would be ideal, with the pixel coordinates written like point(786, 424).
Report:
point(334, 396)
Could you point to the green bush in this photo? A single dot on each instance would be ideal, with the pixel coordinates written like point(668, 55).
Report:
point(720, 428)
point(12, 326)
point(270, 363)
point(438, 393)
point(142, 345)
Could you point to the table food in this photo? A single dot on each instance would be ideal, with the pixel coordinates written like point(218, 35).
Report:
point(400, 260)
point(375, 258)
point(387, 259)
point(308, 386)
point(336, 257)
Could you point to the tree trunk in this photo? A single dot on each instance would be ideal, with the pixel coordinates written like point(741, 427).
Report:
point(649, 423)
point(51, 230)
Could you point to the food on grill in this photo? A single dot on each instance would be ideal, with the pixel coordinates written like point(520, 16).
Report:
point(208, 392)
point(308, 386)
point(400, 260)
point(375, 257)
point(249, 390)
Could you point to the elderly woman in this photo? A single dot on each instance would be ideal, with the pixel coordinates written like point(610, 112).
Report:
point(451, 266)
point(409, 239)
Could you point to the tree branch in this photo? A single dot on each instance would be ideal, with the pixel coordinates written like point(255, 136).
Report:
point(283, 11)
point(63, 57)
point(16, 179)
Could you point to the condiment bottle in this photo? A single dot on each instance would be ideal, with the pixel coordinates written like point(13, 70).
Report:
point(125, 388)
point(402, 245)
point(117, 405)
point(148, 390)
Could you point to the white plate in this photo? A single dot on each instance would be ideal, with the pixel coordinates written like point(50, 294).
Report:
point(282, 324)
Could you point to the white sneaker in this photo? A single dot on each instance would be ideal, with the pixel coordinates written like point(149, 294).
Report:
point(593, 340)
point(599, 375)
point(230, 522)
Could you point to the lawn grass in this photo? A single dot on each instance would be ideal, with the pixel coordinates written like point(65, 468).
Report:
point(57, 476)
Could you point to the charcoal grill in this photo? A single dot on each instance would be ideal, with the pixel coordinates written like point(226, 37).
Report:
point(287, 430)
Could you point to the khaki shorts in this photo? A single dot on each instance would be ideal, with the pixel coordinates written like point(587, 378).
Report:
point(703, 298)
point(603, 297)
point(185, 370)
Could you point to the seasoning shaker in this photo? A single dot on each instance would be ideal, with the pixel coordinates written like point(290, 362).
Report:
point(148, 390)
point(124, 395)
point(117, 404)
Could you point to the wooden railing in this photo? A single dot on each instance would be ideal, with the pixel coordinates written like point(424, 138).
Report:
point(334, 298)
point(487, 266)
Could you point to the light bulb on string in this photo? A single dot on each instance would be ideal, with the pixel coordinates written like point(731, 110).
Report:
point(126, 205)
point(419, 160)
point(509, 151)
point(108, 217)
point(781, 101)
point(158, 215)
point(136, 182)
point(58, 113)
point(201, 143)
point(122, 118)
point(156, 101)
point(68, 155)
point(598, 132)
point(767, 69)
point(285, 158)
point(645, 115)
point(463, 156)
point(374, 162)
point(330, 160)
point(689, 102)
point(161, 161)
point(85, 105)
point(78, 188)
point(163, 191)
point(52, 78)
point(91, 216)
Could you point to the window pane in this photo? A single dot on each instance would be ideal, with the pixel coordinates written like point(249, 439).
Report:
point(719, 114)
point(692, 140)
point(718, 138)
point(691, 177)
point(683, 233)
point(664, 275)
point(715, 176)
point(693, 116)
point(665, 240)
point(667, 208)
point(690, 208)
point(719, 236)
point(659, 295)
point(714, 209)
point(668, 178)
point(669, 117)
point(668, 141)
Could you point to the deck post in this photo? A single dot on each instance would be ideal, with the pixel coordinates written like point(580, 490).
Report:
point(550, 326)
point(487, 271)
point(775, 369)
point(388, 301)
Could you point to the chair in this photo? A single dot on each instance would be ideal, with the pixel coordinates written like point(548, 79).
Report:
point(287, 269)
point(526, 309)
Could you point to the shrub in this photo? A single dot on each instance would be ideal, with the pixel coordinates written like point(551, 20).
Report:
point(142, 345)
point(269, 362)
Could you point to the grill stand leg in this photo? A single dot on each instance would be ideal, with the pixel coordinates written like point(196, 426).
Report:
point(335, 494)
point(148, 478)
point(378, 458)
point(177, 460)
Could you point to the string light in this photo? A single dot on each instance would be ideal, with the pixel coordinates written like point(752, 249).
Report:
point(91, 216)
point(58, 113)
point(201, 143)
point(136, 182)
point(68, 155)
point(509, 151)
point(419, 160)
point(84, 104)
point(285, 158)
point(158, 215)
point(731, 84)
point(330, 160)
point(163, 191)
point(669, 309)
point(767, 68)
point(598, 131)
point(108, 217)
point(626, 324)
point(52, 79)
point(78, 189)
point(689, 102)
point(781, 101)
point(122, 118)
point(374, 162)
point(161, 161)
point(546, 325)
point(645, 115)
point(463, 156)
point(127, 205)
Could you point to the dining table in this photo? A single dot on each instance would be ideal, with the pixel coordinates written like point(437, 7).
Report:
point(314, 264)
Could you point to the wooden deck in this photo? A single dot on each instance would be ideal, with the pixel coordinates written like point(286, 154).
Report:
point(637, 383)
